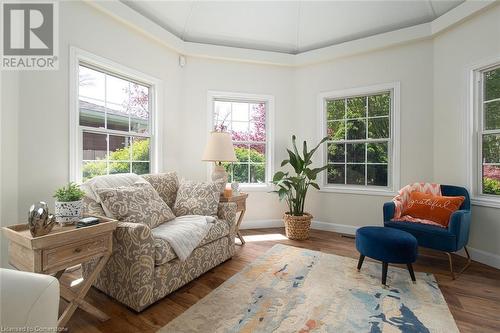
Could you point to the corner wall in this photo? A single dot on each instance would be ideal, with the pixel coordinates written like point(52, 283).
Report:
point(43, 138)
point(203, 75)
point(456, 51)
point(8, 155)
point(411, 65)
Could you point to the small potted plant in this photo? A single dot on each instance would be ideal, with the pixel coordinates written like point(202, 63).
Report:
point(293, 189)
point(68, 206)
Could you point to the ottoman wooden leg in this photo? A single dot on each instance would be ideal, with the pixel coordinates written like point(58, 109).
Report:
point(384, 272)
point(412, 274)
point(360, 261)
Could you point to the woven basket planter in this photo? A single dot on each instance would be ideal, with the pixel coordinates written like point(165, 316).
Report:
point(297, 227)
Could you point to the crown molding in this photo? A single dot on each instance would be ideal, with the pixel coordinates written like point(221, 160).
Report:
point(136, 21)
point(459, 14)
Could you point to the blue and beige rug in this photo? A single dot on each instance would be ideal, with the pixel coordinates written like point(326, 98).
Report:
point(290, 289)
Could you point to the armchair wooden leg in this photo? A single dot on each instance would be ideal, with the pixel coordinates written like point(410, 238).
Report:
point(467, 264)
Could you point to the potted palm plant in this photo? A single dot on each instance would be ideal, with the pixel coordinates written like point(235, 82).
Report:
point(292, 188)
point(68, 205)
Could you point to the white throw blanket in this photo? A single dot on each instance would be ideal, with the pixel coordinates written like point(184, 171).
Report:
point(184, 233)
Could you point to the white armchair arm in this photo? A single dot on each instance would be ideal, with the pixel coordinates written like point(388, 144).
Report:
point(28, 300)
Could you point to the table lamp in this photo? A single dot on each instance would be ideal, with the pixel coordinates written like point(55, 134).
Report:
point(219, 149)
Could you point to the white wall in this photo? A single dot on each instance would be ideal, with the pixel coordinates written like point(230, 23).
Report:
point(411, 65)
point(8, 155)
point(296, 92)
point(43, 110)
point(35, 156)
point(455, 53)
point(202, 75)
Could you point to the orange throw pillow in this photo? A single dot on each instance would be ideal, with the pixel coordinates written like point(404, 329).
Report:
point(431, 207)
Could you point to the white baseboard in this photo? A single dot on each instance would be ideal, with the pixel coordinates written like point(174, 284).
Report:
point(259, 224)
point(317, 225)
point(481, 256)
point(335, 227)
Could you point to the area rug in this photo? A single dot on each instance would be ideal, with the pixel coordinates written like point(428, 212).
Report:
point(290, 289)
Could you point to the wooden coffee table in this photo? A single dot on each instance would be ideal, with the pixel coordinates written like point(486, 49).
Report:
point(62, 248)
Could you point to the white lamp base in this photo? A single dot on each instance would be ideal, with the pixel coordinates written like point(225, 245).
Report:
point(219, 173)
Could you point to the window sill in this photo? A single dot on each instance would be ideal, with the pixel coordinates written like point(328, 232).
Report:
point(486, 202)
point(359, 191)
point(256, 188)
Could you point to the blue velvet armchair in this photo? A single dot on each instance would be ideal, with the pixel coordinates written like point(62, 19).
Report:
point(448, 240)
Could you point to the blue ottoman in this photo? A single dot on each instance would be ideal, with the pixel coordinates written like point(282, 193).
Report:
point(387, 245)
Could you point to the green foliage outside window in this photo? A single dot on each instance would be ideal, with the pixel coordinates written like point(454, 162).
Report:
point(361, 118)
point(491, 186)
point(242, 170)
point(491, 140)
point(119, 161)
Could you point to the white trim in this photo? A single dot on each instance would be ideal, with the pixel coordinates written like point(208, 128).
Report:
point(256, 187)
point(459, 14)
point(335, 227)
point(363, 190)
point(134, 20)
point(485, 201)
point(260, 224)
point(315, 224)
point(472, 124)
point(156, 101)
point(394, 142)
point(480, 256)
point(269, 100)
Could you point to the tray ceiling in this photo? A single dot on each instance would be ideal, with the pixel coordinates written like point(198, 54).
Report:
point(286, 26)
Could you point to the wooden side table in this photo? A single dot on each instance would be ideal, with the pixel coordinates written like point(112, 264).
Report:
point(241, 207)
point(63, 247)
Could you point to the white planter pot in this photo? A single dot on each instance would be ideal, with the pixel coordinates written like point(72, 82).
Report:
point(68, 212)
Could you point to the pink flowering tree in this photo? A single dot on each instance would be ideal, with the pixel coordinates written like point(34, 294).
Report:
point(256, 132)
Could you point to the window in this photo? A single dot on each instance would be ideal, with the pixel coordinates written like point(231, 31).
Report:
point(360, 150)
point(247, 118)
point(113, 125)
point(488, 132)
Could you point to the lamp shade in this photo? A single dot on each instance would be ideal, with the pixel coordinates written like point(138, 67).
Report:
point(219, 148)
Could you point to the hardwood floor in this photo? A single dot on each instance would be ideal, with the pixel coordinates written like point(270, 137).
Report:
point(474, 298)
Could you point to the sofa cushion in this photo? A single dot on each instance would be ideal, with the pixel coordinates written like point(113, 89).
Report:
point(92, 207)
point(166, 184)
point(139, 203)
point(109, 181)
point(164, 252)
point(197, 198)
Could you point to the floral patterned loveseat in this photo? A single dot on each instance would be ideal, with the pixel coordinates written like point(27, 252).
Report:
point(143, 269)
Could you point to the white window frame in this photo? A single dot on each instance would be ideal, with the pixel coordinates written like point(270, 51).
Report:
point(474, 123)
point(245, 97)
point(393, 167)
point(76, 132)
